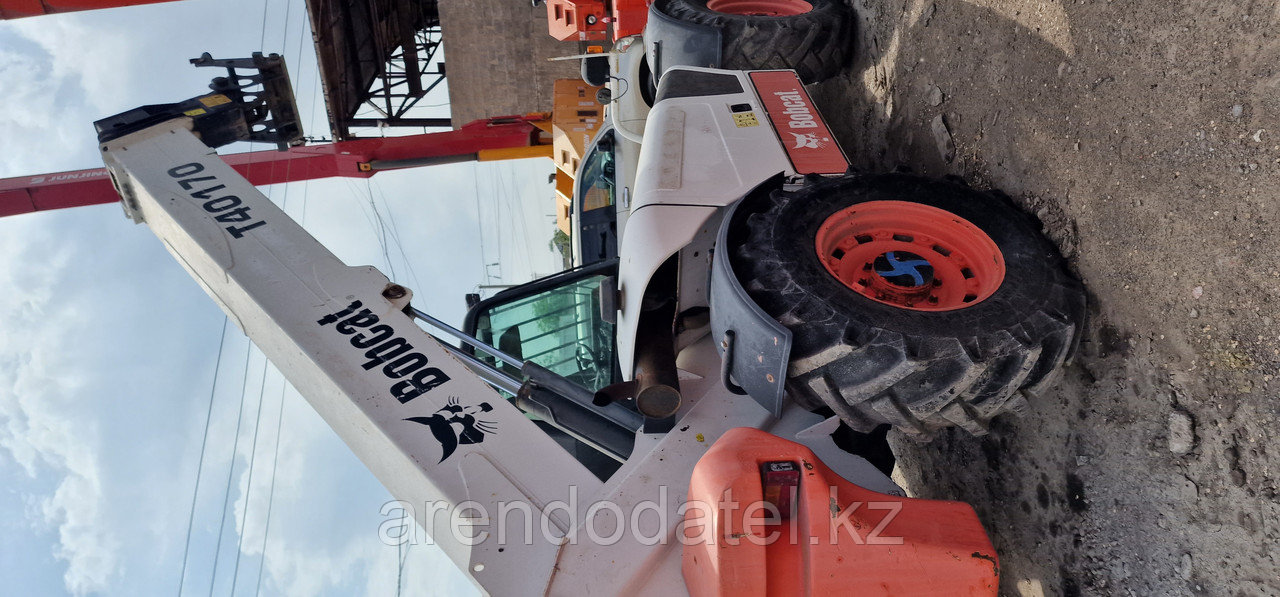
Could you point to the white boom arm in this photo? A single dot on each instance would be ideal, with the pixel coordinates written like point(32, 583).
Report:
point(385, 386)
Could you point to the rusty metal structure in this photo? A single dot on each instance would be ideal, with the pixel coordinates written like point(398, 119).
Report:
point(376, 56)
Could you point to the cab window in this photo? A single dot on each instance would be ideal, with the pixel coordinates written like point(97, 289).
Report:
point(559, 328)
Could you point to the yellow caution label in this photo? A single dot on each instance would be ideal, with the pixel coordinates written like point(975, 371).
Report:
point(745, 119)
point(195, 112)
point(215, 100)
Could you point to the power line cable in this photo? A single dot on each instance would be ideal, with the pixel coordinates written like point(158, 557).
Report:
point(243, 393)
point(527, 233)
point(402, 555)
point(315, 91)
point(515, 213)
point(262, 41)
point(395, 236)
point(284, 51)
point(284, 37)
point(217, 367)
point(373, 217)
point(275, 457)
point(484, 261)
point(497, 225)
point(382, 229)
point(248, 489)
point(262, 384)
point(217, 550)
point(271, 492)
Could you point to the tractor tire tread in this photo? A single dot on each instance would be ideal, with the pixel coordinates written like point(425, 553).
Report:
point(817, 44)
point(869, 363)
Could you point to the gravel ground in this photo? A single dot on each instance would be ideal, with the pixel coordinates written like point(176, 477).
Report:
point(1144, 134)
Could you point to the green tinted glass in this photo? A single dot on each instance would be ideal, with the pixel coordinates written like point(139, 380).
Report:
point(559, 329)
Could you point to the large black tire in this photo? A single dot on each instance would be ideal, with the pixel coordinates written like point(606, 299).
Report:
point(920, 371)
point(817, 44)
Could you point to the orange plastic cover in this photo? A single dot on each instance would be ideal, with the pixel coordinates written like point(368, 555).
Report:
point(629, 17)
point(840, 539)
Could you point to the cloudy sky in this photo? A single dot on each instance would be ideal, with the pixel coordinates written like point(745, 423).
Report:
point(109, 351)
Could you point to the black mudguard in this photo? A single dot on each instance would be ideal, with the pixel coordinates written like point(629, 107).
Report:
point(754, 347)
point(670, 42)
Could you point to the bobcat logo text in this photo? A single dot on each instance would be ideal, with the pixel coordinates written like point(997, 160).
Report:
point(398, 360)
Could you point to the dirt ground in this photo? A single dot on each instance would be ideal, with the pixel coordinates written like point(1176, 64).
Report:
point(1144, 133)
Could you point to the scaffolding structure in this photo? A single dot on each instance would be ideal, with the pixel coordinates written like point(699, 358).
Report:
point(378, 59)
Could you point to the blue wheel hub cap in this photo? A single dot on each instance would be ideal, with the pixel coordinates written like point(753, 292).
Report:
point(904, 269)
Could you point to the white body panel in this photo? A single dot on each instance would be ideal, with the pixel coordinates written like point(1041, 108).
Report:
point(626, 159)
point(696, 154)
point(694, 160)
point(628, 108)
point(627, 113)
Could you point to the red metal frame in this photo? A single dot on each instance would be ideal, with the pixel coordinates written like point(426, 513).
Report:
point(14, 9)
point(567, 20)
point(358, 158)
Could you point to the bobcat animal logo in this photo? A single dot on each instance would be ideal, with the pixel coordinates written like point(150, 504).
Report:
point(455, 425)
point(809, 140)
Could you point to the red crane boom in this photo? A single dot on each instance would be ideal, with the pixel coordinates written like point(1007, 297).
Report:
point(13, 9)
point(493, 138)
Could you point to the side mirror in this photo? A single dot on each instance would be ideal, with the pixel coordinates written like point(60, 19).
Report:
point(606, 295)
point(595, 70)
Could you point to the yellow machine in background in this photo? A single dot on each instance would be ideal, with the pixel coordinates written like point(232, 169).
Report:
point(575, 118)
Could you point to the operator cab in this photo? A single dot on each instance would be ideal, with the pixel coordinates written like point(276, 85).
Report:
point(563, 322)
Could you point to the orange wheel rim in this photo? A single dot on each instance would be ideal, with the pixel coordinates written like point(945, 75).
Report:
point(910, 255)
